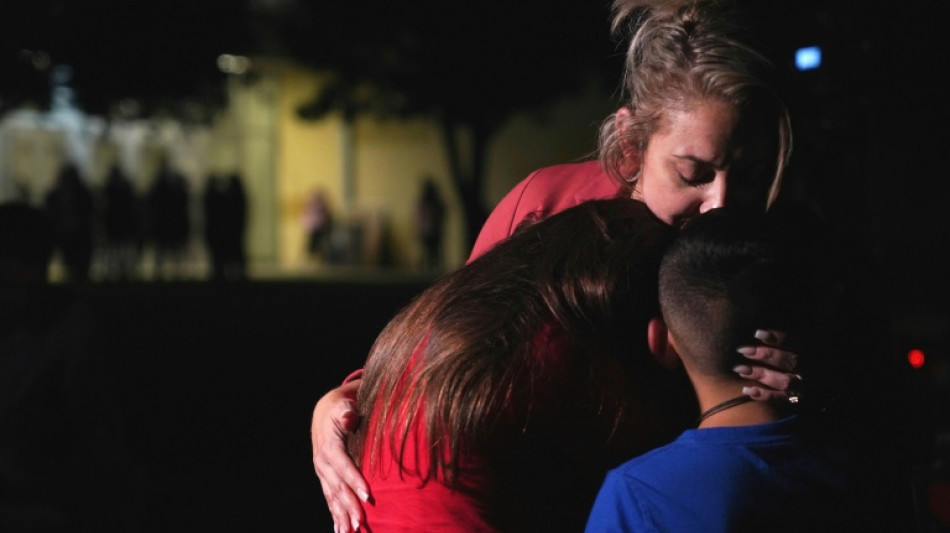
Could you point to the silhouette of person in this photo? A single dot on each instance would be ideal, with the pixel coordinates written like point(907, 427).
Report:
point(26, 245)
point(169, 222)
point(318, 222)
point(430, 218)
point(70, 207)
point(64, 462)
point(225, 209)
point(121, 226)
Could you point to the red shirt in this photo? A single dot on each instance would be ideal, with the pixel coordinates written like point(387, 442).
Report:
point(402, 502)
point(543, 193)
point(547, 458)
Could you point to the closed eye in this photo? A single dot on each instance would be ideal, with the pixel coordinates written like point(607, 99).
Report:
point(697, 179)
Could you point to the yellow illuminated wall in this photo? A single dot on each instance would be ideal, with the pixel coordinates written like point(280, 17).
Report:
point(388, 161)
point(308, 159)
point(372, 170)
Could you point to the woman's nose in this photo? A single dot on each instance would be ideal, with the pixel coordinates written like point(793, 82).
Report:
point(715, 194)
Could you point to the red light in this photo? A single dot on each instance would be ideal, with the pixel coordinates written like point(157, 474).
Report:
point(916, 358)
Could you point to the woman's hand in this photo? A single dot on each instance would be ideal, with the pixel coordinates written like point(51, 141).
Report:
point(335, 417)
point(772, 367)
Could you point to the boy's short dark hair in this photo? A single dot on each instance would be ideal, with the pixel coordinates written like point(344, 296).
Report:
point(729, 273)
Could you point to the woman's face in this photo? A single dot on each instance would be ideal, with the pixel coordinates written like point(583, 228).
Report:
point(705, 157)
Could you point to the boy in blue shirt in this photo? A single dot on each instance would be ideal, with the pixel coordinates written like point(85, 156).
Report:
point(748, 466)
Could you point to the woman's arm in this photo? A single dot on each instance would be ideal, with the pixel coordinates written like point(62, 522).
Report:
point(335, 417)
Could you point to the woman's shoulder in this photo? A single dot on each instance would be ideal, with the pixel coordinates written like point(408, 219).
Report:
point(568, 178)
point(544, 192)
point(557, 187)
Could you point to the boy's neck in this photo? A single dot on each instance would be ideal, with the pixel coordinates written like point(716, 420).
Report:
point(737, 413)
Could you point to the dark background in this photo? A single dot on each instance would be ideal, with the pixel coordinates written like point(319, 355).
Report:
point(215, 383)
point(216, 386)
point(870, 123)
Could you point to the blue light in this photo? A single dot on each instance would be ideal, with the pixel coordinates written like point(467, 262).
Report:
point(808, 58)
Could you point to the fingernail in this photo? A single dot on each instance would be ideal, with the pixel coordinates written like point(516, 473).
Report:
point(763, 335)
point(336, 528)
point(362, 495)
point(356, 524)
point(747, 350)
point(742, 370)
point(750, 392)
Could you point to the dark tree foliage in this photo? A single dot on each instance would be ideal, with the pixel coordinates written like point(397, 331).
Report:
point(159, 53)
point(468, 65)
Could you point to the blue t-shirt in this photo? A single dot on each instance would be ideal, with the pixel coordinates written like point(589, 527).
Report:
point(760, 478)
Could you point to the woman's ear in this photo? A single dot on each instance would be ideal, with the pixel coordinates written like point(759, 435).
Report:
point(661, 345)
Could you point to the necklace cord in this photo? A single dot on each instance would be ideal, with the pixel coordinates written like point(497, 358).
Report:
point(732, 402)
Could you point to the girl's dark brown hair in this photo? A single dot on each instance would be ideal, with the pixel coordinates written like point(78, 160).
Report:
point(588, 274)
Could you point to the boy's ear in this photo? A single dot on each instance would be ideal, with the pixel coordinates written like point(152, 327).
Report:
point(661, 345)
